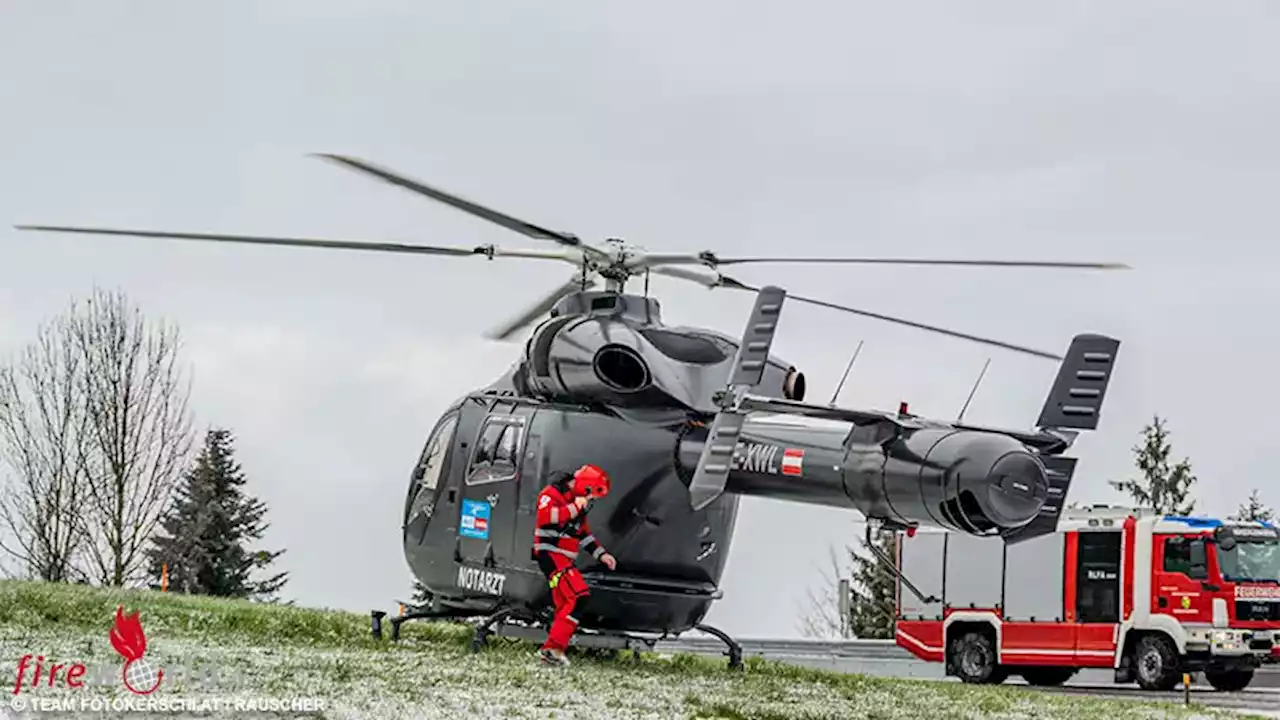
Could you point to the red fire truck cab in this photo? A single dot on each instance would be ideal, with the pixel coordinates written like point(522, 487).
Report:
point(1150, 596)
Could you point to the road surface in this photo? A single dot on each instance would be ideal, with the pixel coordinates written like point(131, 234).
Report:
point(884, 659)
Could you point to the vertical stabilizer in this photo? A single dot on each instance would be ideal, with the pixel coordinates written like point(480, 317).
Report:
point(1075, 400)
point(1074, 403)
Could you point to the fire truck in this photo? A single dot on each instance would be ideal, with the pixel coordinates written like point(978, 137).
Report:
point(1150, 596)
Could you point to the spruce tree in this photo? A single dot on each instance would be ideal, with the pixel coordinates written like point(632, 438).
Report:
point(1255, 509)
point(874, 589)
point(1163, 487)
point(207, 527)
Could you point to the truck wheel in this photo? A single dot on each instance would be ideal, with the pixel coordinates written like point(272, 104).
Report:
point(974, 659)
point(1229, 680)
point(1156, 663)
point(1047, 676)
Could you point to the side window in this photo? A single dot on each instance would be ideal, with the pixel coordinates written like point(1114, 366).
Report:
point(497, 454)
point(1186, 556)
point(487, 445)
point(1177, 555)
point(507, 446)
point(1098, 577)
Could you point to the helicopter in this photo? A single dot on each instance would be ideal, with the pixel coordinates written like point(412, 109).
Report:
point(686, 421)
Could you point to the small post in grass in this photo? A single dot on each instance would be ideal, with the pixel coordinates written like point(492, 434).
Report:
point(846, 597)
point(164, 577)
point(1186, 688)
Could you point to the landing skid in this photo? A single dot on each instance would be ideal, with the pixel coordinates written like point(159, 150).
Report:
point(499, 624)
point(734, 651)
point(521, 624)
point(396, 621)
point(581, 639)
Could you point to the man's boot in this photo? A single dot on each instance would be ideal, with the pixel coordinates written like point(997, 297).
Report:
point(553, 656)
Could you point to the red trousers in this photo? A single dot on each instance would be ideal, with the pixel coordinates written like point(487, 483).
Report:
point(567, 587)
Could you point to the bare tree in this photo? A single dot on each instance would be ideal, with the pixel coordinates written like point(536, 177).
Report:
point(137, 427)
point(869, 609)
point(42, 431)
point(821, 616)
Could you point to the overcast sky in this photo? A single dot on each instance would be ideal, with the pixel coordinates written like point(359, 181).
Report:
point(1141, 132)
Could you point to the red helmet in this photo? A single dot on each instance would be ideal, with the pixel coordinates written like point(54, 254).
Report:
point(590, 481)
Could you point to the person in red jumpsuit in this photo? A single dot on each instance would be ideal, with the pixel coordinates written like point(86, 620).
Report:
point(561, 532)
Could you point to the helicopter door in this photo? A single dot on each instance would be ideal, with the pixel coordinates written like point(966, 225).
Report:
point(487, 523)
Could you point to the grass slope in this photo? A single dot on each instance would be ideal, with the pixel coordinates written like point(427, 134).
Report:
point(219, 648)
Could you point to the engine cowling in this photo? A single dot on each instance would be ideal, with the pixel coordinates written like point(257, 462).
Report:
point(621, 362)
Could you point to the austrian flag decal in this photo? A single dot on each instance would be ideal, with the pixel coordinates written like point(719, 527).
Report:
point(793, 462)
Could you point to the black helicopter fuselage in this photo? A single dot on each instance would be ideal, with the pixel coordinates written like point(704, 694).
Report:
point(602, 381)
point(608, 385)
point(468, 540)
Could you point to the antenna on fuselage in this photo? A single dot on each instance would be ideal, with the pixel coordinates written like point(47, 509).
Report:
point(973, 390)
point(845, 376)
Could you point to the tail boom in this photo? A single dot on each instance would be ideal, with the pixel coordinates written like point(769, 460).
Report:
point(898, 468)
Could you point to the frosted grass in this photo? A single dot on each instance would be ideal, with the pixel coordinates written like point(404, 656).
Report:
point(229, 649)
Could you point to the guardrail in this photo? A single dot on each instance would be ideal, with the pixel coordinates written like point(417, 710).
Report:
point(832, 652)
point(859, 649)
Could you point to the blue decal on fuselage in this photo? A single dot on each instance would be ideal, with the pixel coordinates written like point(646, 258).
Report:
point(475, 520)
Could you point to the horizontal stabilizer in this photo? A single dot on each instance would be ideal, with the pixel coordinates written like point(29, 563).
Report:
point(1075, 401)
point(712, 473)
point(1059, 471)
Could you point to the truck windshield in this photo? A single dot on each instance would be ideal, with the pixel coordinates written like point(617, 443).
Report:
point(1251, 562)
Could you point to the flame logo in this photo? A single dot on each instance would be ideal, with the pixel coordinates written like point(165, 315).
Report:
point(129, 640)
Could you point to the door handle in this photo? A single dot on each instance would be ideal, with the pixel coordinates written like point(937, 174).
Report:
point(453, 494)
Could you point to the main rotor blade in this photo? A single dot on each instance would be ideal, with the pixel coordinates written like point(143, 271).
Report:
point(486, 250)
point(467, 206)
point(534, 311)
point(708, 280)
point(929, 328)
point(712, 260)
point(718, 280)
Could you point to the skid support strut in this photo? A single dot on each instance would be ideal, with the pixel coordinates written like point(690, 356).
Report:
point(493, 624)
point(734, 651)
point(396, 621)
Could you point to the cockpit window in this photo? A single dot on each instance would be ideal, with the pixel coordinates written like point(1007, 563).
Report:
point(430, 467)
point(432, 460)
